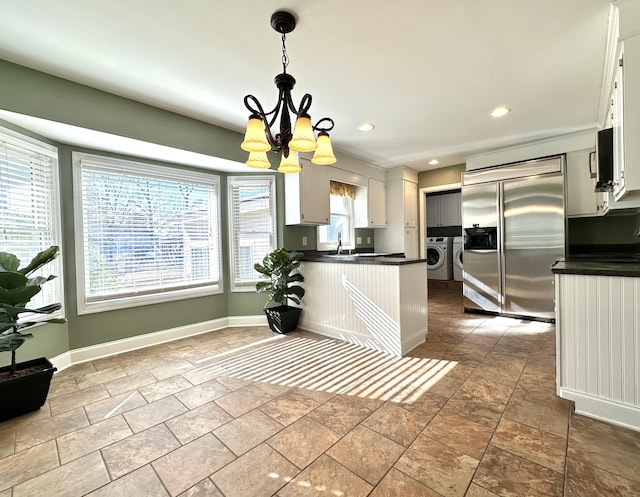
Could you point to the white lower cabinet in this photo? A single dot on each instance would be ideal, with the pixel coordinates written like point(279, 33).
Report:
point(378, 306)
point(598, 346)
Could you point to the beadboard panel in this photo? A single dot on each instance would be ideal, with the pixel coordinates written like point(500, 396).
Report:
point(598, 346)
point(377, 306)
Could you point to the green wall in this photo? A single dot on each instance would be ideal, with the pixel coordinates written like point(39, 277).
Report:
point(442, 176)
point(34, 93)
point(38, 94)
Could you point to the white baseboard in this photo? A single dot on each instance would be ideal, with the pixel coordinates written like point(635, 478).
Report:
point(62, 361)
point(413, 341)
point(365, 340)
point(93, 352)
point(240, 321)
point(624, 415)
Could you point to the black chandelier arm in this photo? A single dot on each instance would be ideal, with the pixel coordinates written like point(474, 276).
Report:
point(326, 127)
point(254, 106)
point(303, 109)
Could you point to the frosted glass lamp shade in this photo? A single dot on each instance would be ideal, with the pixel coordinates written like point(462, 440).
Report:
point(258, 160)
point(303, 140)
point(289, 164)
point(255, 139)
point(324, 153)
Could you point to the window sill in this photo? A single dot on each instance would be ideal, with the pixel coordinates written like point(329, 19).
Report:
point(142, 300)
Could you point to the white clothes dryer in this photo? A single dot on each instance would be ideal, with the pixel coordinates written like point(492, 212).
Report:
point(439, 258)
point(458, 250)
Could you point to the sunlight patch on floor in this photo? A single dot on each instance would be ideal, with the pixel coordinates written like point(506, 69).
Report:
point(332, 366)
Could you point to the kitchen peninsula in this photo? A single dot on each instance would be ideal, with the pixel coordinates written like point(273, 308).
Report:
point(598, 336)
point(377, 302)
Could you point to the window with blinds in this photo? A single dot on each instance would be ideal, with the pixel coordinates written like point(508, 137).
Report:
point(252, 226)
point(144, 234)
point(29, 207)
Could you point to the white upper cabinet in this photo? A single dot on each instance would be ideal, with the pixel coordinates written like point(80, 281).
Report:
point(369, 205)
point(401, 233)
point(307, 195)
point(625, 99)
point(410, 204)
point(376, 203)
point(582, 200)
point(444, 210)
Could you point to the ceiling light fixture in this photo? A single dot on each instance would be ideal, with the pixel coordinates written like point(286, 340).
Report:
point(365, 127)
point(259, 138)
point(500, 111)
point(434, 162)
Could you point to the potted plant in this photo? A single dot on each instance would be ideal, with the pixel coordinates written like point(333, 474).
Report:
point(23, 387)
point(281, 268)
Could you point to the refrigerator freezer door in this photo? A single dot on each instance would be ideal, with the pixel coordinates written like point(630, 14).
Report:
point(481, 281)
point(533, 239)
point(480, 206)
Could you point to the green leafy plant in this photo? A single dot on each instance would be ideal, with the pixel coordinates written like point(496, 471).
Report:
point(17, 289)
point(282, 270)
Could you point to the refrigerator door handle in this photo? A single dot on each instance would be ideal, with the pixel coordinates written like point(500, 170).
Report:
point(501, 246)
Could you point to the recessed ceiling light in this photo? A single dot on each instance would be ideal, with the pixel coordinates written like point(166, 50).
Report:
point(500, 111)
point(433, 162)
point(365, 127)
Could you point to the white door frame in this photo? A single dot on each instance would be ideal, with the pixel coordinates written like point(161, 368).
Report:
point(422, 197)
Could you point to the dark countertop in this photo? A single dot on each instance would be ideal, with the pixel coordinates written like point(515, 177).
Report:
point(383, 260)
point(598, 265)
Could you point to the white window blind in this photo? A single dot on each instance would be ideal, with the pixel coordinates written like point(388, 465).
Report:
point(29, 207)
point(252, 224)
point(148, 233)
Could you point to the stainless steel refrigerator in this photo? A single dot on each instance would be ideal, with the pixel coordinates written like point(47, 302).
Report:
point(513, 225)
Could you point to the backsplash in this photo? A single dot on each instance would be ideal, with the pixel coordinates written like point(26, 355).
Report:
point(293, 238)
point(445, 231)
point(618, 230)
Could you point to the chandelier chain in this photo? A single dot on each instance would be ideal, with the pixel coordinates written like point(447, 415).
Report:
point(285, 57)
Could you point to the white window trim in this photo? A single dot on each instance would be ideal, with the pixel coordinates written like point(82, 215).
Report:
point(51, 152)
point(152, 171)
point(248, 285)
point(333, 245)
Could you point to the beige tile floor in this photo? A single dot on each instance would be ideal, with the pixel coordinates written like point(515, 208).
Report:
point(247, 413)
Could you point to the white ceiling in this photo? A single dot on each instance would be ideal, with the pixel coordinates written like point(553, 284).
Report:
point(425, 72)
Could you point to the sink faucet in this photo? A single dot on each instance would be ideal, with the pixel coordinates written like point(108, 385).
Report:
point(339, 250)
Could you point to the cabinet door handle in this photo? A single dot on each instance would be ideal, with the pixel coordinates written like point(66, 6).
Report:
point(592, 157)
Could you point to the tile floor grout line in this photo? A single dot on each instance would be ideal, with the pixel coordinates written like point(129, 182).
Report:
point(470, 363)
point(475, 471)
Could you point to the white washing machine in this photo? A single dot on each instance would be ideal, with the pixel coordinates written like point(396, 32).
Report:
point(458, 250)
point(439, 257)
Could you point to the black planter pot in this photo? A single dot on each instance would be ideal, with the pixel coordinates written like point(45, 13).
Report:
point(23, 394)
point(283, 319)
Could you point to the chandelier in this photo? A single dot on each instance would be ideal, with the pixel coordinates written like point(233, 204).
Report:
point(259, 137)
